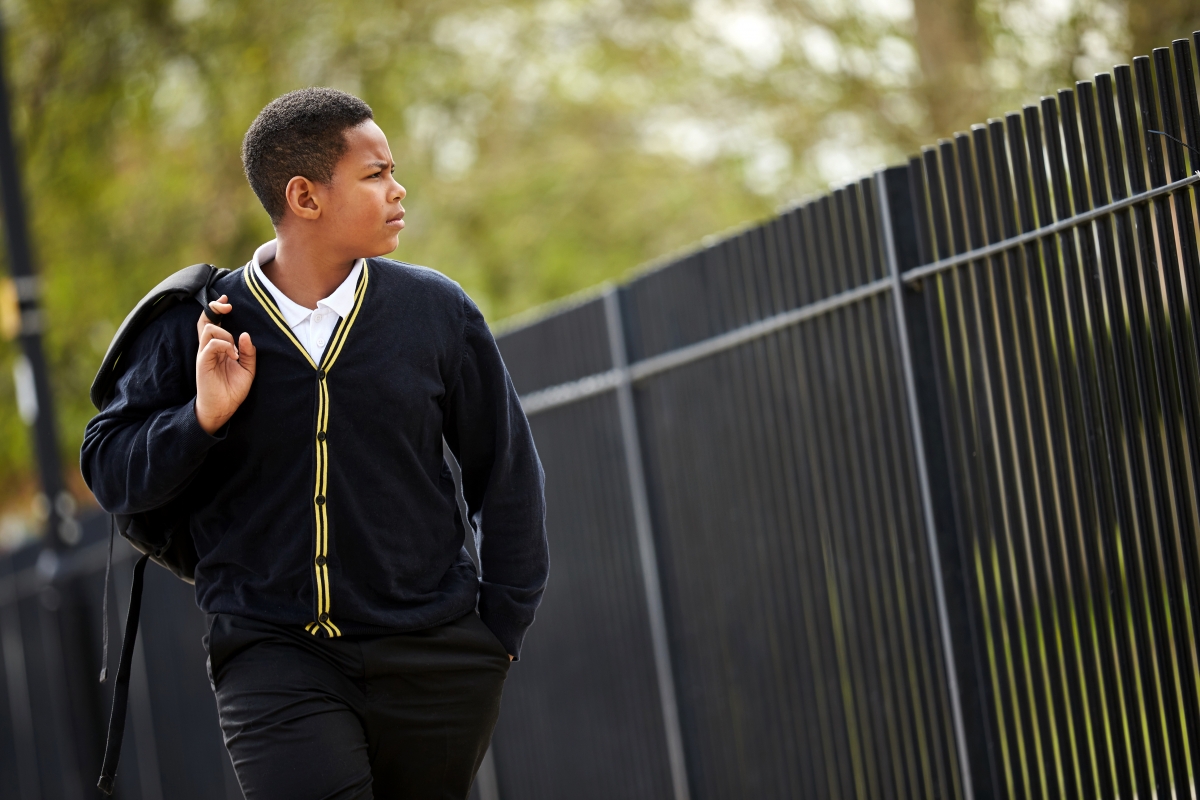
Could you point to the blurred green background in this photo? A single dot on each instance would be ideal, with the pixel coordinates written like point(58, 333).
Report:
point(545, 145)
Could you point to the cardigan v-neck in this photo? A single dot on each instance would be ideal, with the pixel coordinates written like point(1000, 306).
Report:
point(311, 327)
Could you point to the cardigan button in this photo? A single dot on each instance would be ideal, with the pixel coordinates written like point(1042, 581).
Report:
point(320, 436)
point(324, 617)
point(320, 374)
point(320, 561)
point(320, 499)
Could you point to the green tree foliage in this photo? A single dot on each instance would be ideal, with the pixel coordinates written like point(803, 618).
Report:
point(546, 145)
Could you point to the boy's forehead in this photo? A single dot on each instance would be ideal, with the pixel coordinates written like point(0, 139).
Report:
point(366, 143)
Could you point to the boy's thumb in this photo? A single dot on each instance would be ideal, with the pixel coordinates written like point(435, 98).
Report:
point(246, 352)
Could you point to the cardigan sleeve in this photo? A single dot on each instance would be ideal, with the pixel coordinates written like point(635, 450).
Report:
point(143, 448)
point(502, 483)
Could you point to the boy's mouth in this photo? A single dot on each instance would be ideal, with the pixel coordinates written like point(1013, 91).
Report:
point(396, 221)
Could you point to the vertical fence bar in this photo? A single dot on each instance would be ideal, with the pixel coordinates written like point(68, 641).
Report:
point(648, 557)
point(20, 706)
point(49, 622)
point(914, 419)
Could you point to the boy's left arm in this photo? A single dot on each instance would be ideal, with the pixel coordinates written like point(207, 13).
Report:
point(502, 483)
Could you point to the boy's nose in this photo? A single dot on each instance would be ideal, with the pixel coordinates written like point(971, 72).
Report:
point(401, 192)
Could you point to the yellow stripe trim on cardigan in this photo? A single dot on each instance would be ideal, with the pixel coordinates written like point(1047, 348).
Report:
point(268, 303)
point(321, 521)
point(320, 489)
point(338, 340)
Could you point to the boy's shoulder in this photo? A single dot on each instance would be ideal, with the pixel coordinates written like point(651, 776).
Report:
point(414, 276)
point(421, 289)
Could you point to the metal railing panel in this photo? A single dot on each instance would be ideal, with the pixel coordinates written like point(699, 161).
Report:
point(1061, 296)
point(174, 748)
point(582, 715)
point(764, 463)
point(563, 347)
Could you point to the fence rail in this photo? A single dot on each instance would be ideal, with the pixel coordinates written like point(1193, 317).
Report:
point(895, 494)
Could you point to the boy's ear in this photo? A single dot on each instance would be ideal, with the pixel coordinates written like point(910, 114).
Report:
point(301, 196)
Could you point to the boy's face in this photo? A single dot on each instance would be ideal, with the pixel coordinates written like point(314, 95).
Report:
point(360, 211)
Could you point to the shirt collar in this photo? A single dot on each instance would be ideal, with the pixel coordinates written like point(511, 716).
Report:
point(340, 302)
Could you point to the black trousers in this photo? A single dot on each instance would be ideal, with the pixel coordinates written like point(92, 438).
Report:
point(401, 716)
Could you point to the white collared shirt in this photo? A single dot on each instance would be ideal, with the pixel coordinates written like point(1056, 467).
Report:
point(312, 328)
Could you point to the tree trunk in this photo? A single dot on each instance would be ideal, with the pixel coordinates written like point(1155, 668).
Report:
point(952, 48)
point(1154, 23)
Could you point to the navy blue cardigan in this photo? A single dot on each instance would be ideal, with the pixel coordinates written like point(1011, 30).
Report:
point(325, 502)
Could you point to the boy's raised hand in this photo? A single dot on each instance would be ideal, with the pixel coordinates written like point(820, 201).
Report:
point(224, 371)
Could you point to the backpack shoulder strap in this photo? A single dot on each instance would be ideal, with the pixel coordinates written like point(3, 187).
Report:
point(195, 281)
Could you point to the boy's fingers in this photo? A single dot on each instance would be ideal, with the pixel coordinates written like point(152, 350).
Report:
point(216, 348)
point(217, 332)
point(210, 332)
point(222, 347)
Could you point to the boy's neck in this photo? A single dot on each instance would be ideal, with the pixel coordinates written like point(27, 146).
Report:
point(306, 274)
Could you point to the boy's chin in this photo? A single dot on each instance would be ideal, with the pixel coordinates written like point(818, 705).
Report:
point(383, 247)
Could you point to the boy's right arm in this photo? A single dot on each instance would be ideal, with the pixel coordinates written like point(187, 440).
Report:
point(142, 449)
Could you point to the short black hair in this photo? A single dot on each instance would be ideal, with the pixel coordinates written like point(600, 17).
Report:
point(299, 133)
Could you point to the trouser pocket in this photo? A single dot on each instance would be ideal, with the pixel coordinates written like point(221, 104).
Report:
point(483, 633)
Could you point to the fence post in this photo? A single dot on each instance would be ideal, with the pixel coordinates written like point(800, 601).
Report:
point(947, 561)
point(648, 557)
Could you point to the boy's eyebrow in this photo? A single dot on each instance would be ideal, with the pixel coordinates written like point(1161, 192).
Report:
point(380, 164)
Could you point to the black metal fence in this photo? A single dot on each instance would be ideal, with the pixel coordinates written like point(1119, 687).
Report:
point(895, 495)
point(1067, 429)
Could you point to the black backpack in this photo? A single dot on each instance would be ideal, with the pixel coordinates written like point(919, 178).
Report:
point(163, 534)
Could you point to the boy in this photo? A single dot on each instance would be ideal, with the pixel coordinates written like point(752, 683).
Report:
point(346, 651)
